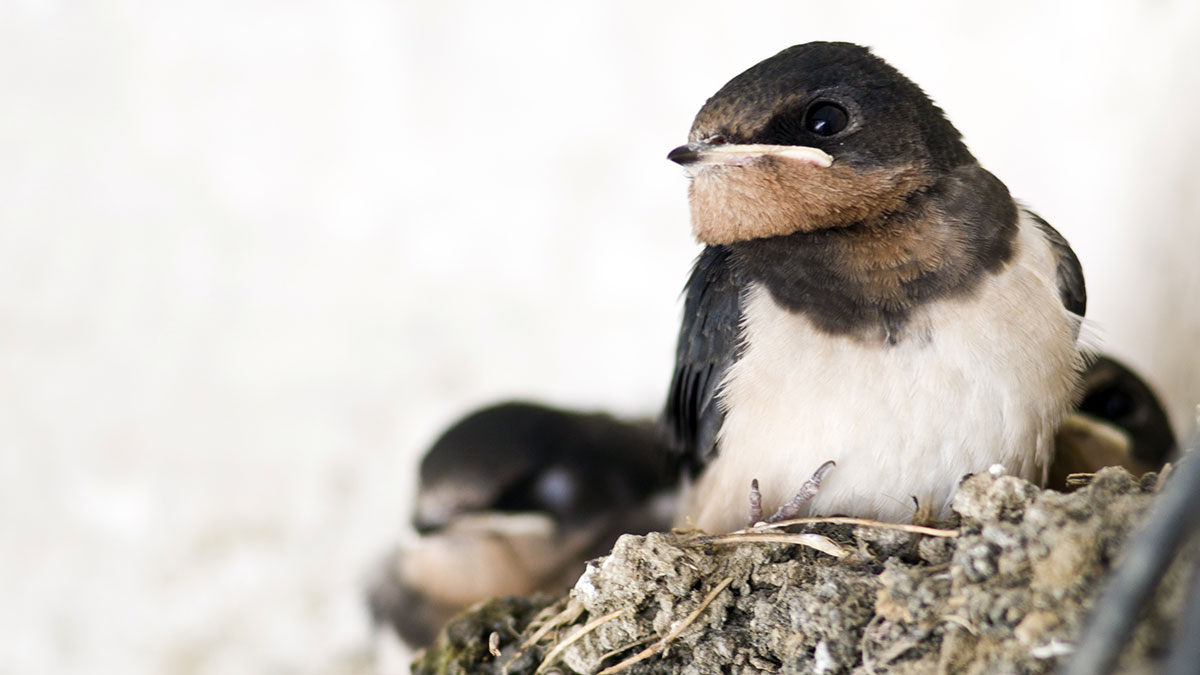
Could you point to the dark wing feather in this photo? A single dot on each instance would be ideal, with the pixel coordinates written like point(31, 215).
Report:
point(708, 344)
point(1070, 274)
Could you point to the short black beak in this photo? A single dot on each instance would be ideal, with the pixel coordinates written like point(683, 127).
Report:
point(684, 154)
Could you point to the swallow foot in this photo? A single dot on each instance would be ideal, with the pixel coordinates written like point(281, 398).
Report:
point(792, 508)
point(755, 504)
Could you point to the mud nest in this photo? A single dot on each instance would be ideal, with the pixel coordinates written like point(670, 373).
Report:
point(1002, 588)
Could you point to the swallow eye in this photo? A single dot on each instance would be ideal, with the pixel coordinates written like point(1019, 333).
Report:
point(824, 118)
point(1110, 404)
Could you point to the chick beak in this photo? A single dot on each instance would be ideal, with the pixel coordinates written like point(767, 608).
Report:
point(702, 154)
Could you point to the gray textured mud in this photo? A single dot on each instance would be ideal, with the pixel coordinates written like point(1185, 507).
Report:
point(1007, 594)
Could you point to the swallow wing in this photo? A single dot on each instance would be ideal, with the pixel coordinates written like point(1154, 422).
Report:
point(1070, 274)
point(708, 345)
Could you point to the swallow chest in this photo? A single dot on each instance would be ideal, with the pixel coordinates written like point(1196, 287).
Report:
point(973, 380)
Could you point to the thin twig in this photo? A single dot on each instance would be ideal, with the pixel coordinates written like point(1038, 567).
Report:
point(572, 611)
point(571, 639)
point(898, 649)
point(864, 645)
point(865, 522)
point(959, 621)
point(815, 541)
point(630, 645)
point(662, 644)
point(548, 612)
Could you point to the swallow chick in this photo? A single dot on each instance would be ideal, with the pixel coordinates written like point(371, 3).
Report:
point(868, 295)
point(515, 498)
point(1119, 422)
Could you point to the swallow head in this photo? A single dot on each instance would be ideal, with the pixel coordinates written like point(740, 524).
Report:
point(821, 135)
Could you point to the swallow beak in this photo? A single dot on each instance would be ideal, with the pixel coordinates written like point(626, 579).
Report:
point(699, 155)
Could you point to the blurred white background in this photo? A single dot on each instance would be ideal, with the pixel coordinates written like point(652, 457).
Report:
point(254, 253)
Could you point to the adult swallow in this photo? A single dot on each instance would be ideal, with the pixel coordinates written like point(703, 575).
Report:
point(515, 498)
point(870, 303)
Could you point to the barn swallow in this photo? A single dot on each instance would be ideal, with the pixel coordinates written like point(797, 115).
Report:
point(870, 302)
point(1119, 422)
point(515, 498)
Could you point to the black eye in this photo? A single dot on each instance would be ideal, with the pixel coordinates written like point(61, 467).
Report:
point(825, 119)
point(1109, 403)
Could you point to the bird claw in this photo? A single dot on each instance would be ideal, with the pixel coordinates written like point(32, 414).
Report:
point(792, 508)
point(755, 503)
